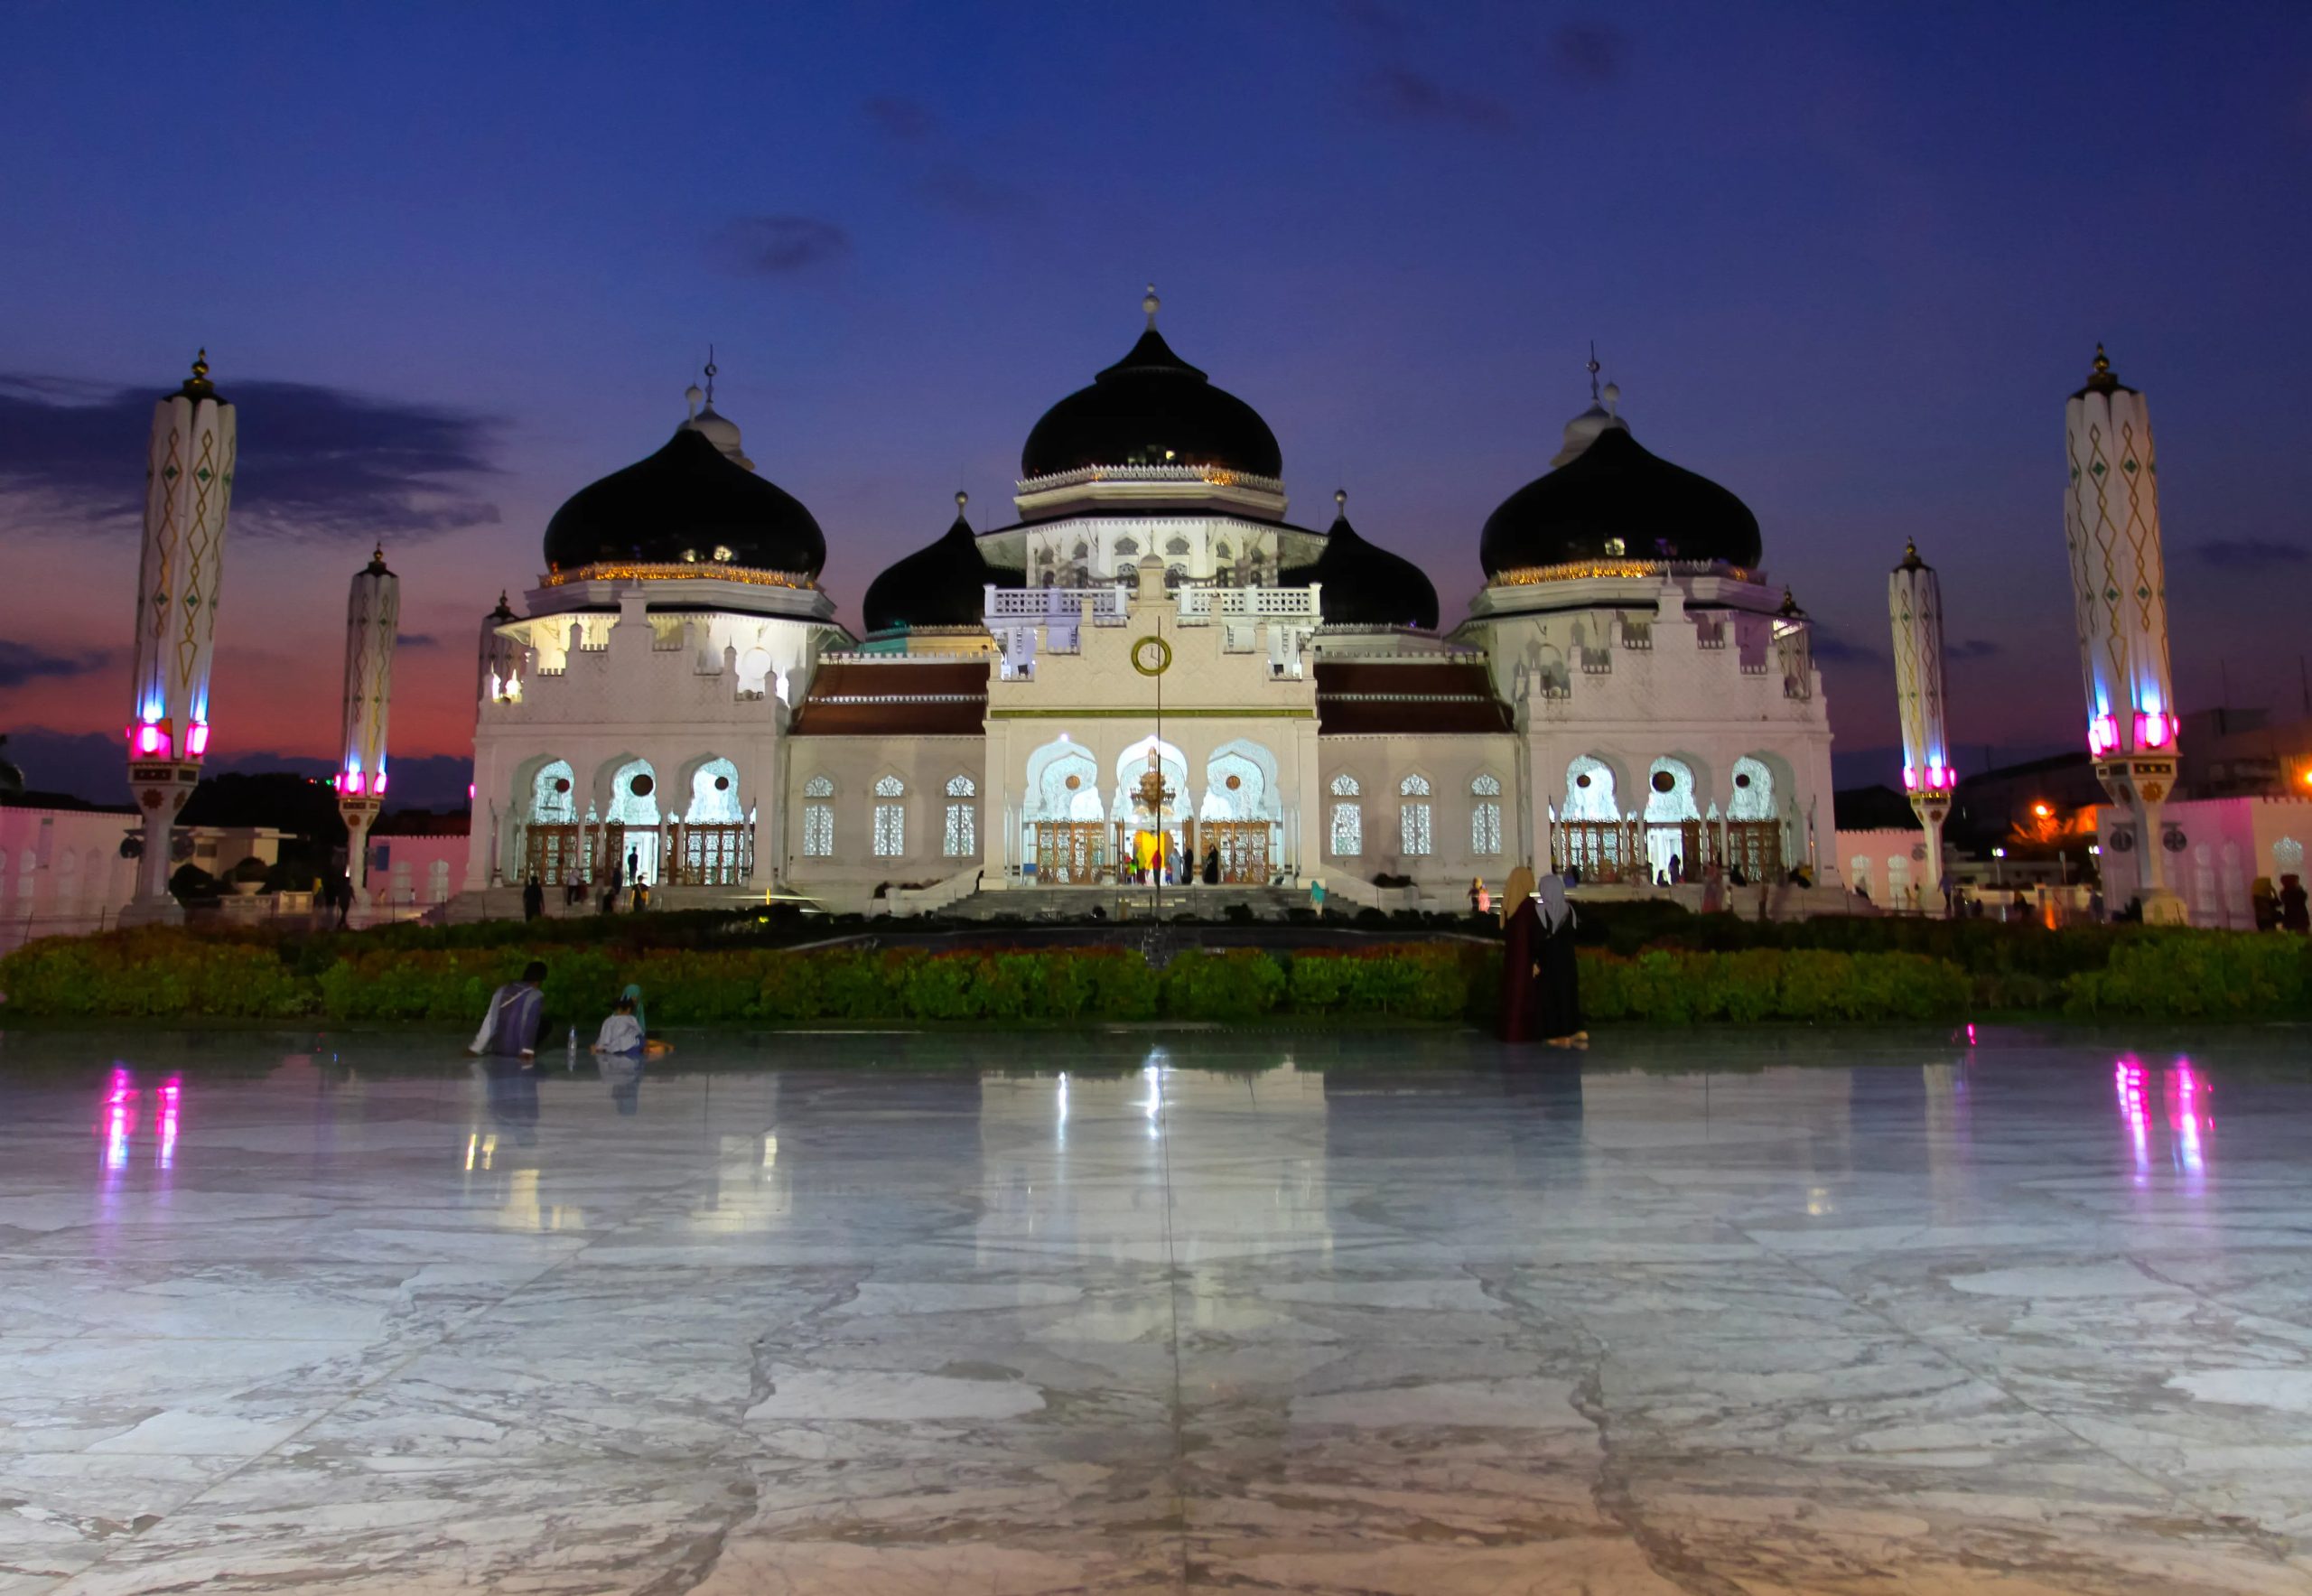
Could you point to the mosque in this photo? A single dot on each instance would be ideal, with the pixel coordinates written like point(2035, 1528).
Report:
point(1152, 672)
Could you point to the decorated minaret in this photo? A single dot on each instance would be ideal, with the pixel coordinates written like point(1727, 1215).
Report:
point(188, 485)
point(372, 617)
point(1915, 606)
point(2118, 584)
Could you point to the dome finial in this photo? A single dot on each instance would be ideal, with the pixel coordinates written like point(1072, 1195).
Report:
point(1613, 397)
point(691, 397)
point(710, 377)
point(1341, 499)
point(1152, 304)
point(1911, 562)
point(198, 385)
point(1594, 369)
point(2103, 360)
point(962, 499)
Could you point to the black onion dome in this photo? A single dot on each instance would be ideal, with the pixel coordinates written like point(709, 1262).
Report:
point(1363, 584)
point(940, 584)
point(1152, 408)
point(1616, 500)
point(685, 502)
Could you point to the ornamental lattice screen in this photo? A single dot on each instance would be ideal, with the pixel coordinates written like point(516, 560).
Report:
point(1613, 851)
point(1244, 850)
point(713, 854)
point(550, 853)
point(1070, 852)
point(1603, 851)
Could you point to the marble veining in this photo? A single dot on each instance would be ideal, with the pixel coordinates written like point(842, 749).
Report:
point(1719, 1314)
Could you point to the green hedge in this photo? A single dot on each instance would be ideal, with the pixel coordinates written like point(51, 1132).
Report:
point(164, 974)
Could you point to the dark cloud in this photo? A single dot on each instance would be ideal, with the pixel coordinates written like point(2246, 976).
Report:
point(1400, 94)
point(2249, 553)
point(1970, 648)
point(907, 120)
point(778, 246)
point(416, 639)
point(315, 463)
point(967, 194)
point(88, 765)
point(22, 662)
point(1826, 644)
point(1589, 53)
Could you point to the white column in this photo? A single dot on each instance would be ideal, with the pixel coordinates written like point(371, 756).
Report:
point(188, 489)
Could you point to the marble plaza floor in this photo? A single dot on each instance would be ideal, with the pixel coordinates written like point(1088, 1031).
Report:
point(1724, 1313)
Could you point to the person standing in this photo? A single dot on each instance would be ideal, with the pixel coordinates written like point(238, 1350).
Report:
point(2294, 914)
point(532, 897)
point(517, 1012)
point(1212, 864)
point(1558, 979)
point(611, 888)
point(1521, 929)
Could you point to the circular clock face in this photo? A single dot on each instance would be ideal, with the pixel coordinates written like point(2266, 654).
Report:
point(1151, 656)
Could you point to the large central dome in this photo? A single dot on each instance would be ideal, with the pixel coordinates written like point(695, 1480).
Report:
point(1617, 500)
point(689, 503)
point(1152, 408)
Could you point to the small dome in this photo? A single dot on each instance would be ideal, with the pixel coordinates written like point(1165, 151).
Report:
point(1614, 500)
point(940, 584)
point(720, 431)
point(1583, 430)
point(1152, 408)
point(1366, 585)
point(687, 502)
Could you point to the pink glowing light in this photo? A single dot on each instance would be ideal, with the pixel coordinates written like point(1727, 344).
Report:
point(378, 785)
point(172, 1098)
point(2102, 734)
point(2127, 1080)
point(149, 739)
point(116, 1117)
point(2189, 1114)
point(196, 739)
point(1910, 779)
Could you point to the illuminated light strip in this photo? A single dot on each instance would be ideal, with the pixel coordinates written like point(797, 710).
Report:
point(1529, 575)
point(680, 571)
point(1213, 476)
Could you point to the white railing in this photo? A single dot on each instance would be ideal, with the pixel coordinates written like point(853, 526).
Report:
point(1198, 605)
point(1103, 606)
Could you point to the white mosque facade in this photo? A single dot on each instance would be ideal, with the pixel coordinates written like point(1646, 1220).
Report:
point(1152, 670)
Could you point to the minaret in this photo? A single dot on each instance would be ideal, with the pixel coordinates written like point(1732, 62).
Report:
point(188, 485)
point(1915, 606)
point(2118, 584)
point(372, 618)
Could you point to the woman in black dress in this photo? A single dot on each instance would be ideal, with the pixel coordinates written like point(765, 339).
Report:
point(1557, 983)
point(1521, 939)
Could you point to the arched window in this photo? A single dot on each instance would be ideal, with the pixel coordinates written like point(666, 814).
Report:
point(634, 794)
point(818, 818)
point(714, 794)
point(1589, 790)
point(554, 798)
point(890, 819)
point(1348, 819)
point(1414, 833)
point(960, 838)
point(1754, 795)
point(1126, 548)
point(1485, 817)
point(1178, 545)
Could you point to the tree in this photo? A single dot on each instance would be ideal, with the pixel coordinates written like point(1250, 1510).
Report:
point(12, 779)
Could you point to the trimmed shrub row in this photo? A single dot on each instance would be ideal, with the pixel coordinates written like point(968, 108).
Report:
point(156, 973)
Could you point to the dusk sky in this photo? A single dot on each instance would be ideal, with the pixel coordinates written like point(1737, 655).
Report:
point(455, 263)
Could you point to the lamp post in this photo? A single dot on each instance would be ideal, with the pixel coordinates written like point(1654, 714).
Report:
point(188, 487)
point(1914, 609)
point(372, 618)
point(2118, 584)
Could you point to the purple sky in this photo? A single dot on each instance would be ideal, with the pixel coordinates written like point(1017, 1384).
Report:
point(457, 262)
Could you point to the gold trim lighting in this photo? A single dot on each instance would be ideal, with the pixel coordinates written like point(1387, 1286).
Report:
point(680, 571)
point(1575, 570)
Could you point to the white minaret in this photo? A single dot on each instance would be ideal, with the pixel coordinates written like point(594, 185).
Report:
point(372, 618)
point(1915, 606)
point(188, 485)
point(2119, 586)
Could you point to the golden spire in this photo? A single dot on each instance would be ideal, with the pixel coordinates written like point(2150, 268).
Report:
point(198, 385)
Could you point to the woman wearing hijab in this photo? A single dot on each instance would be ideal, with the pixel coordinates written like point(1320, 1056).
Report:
point(1557, 987)
point(1521, 936)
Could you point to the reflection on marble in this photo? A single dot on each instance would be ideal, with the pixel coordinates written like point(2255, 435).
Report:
point(1720, 1314)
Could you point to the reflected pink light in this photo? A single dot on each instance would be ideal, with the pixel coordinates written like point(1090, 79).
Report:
point(116, 1117)
point(172, 1095)
point(2189, 1113)
point(2127, 1081)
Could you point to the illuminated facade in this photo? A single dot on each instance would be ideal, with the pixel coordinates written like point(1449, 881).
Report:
point(1150, 672)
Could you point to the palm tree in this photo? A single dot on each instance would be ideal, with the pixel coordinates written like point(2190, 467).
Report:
point(12, 779)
